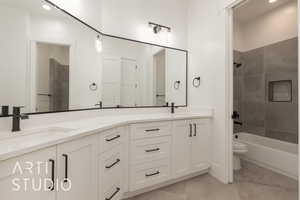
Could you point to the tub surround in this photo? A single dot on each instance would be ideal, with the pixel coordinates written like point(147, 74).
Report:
point(34, 139)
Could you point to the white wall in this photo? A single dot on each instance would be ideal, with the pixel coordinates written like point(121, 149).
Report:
point(274, 26)
point(13, 70)
point(129, 18)
point(206, 45)
point(89, 11)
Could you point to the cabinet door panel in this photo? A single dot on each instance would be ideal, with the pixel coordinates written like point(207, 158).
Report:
point(31, 180)
point(181, 148)
point(200, 145)
point(77, 161)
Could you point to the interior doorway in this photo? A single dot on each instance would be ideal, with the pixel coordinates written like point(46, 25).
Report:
point(263, 86)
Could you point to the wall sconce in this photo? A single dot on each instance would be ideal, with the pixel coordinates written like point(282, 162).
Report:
point(157, 28)
point(98, 44)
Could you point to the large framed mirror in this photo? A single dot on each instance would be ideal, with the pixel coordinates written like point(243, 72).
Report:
point(54, 62)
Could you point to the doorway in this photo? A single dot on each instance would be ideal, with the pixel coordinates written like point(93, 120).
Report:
point(52, 71)
point(263, 77)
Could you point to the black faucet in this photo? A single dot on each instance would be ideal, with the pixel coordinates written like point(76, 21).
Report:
point(17, 116)
point(4, 111)
point(172, 107)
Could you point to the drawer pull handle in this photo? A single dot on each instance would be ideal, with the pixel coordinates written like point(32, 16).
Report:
point(195, 130)
point(66, 167)
point(149, 175)
point(152, 150)
point(112, 139)
point(152, 130)
point(114, 194)
point(110, 166)
point(191, 130)
point(51, 188)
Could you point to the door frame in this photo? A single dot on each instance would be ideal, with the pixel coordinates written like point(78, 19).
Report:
point(31, 70)
point(229, 85)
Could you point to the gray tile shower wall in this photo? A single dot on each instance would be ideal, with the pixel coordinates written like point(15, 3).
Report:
point(259, 115)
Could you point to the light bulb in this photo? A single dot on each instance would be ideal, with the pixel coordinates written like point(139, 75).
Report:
point(46, 7)
point(272, 1)
point(98, 44)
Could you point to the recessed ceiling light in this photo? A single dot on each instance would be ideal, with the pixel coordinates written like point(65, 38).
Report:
point(272, 1)
point(46, 7)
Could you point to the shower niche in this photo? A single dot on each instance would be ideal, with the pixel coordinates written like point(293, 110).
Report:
point(280, 91)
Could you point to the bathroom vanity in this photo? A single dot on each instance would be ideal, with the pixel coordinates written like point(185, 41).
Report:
point(105, 158)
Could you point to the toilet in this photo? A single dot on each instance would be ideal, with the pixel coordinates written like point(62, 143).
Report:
point(238, 150)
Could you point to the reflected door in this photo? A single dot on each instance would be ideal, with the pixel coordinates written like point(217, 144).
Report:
point(129, 83)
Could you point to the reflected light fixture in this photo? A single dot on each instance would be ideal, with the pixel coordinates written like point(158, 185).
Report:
point(46, 7)
point(157, 28)
point(272, 1)
point(98, 44)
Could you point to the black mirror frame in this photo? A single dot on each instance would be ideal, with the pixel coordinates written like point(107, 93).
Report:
point(116, 37)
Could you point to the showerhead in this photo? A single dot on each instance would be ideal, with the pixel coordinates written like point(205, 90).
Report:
point(237, 65)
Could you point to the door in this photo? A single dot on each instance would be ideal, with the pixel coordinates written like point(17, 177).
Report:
point(181, 148)
point(58, 86)
point(77, 163)
point(111, 86)
point(29, 176)
point(129, 83)
point(200, 145)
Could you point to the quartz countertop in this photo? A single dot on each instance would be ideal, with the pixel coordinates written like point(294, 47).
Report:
point(32, 140)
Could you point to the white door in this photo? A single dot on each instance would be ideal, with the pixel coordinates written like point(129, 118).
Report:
point(129, 83)
point(181, 148)
point(111, 82)
point(200, 145)
point(77, 163)
point(33, 180)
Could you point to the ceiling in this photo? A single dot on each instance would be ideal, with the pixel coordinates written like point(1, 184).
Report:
point(251, 9)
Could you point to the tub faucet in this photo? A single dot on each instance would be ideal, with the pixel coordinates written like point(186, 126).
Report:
point(17, 116)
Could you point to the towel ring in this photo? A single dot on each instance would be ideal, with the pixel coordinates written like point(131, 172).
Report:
point(196, 82)
point(176, 85)
point(93, 87)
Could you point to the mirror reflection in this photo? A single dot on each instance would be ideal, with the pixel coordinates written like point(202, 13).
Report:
point(51, 62)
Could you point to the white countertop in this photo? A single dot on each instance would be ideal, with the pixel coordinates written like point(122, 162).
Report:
point(32, 140)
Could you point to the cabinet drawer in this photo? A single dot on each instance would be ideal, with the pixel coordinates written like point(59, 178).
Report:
point(148, 130)
point(113, 193)
point(111, 138)
point(110, 168)
point(149, 174)
point(150, 149)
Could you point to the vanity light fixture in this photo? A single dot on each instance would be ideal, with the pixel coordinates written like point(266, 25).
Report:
point(46, 7)
point(158, 27)
point(272, 1)
point(98, 44)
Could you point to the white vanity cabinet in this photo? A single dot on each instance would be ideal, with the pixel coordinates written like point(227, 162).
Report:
point(28, 176)
point(191, 142)
point(112, 164)
point(77, 162)
point(150, 154)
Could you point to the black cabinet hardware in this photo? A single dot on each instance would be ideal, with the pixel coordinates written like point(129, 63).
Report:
point(66, 167)
point(235, 115)
point(51, 188)
point(152, 130)
point(153, 174)
point(238, 123)
point(114, 194)
point(191, 130)
point(152, 150)
point(110, 166)
point(195, 130)
point(112, 139)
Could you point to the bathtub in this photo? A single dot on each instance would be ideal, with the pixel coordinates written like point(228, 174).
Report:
point(276, 155)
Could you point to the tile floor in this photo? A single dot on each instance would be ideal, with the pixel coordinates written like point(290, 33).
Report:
point(251, 183)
